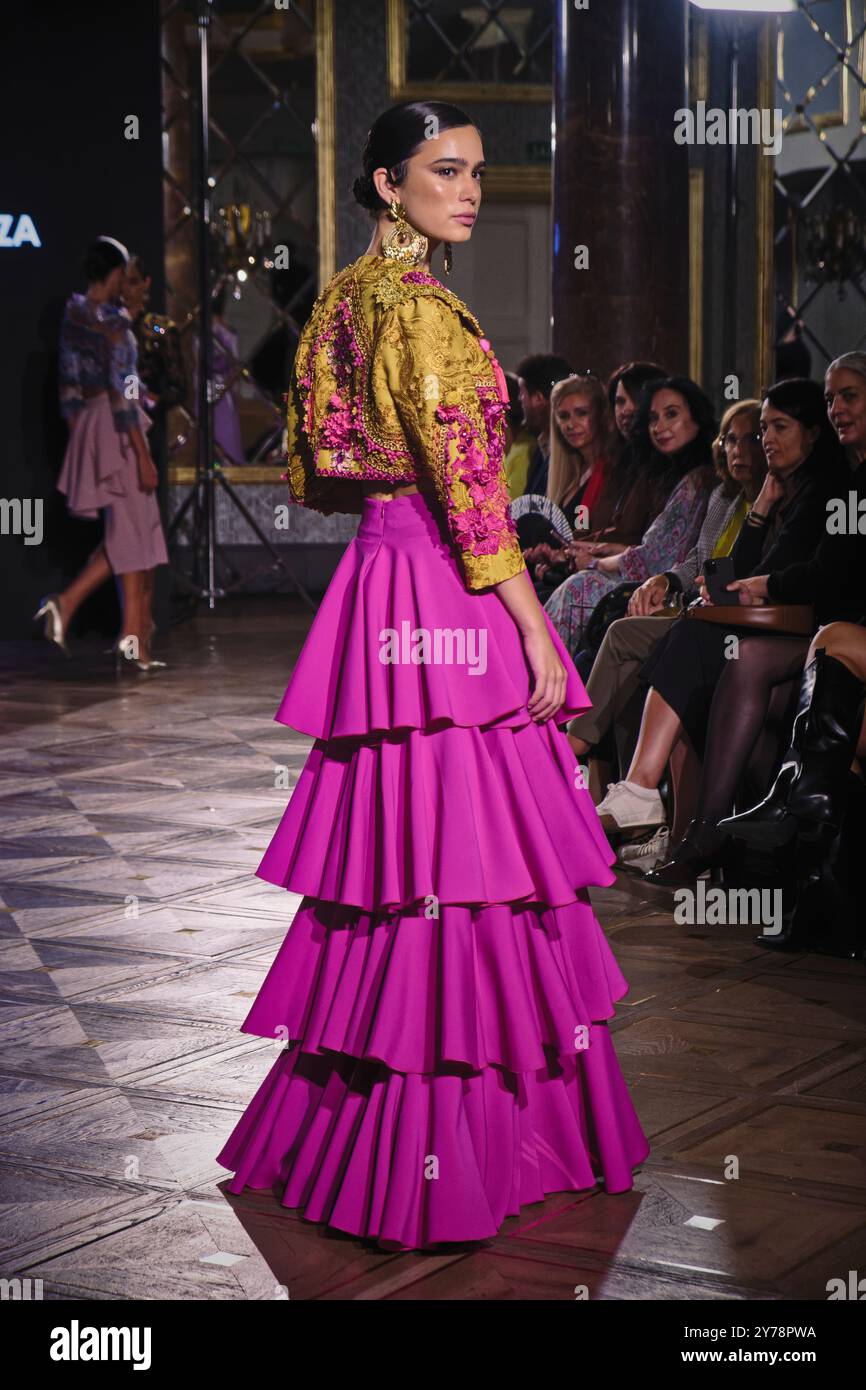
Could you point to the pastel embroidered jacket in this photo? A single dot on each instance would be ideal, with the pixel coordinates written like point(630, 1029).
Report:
point(394, 380)
point(98, 351)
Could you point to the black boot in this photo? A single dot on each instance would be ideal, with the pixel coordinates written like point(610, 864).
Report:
point(829, 916)
point(809, 790)
point(702, 847)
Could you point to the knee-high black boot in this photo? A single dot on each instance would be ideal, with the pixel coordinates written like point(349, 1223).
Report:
point(810, 790)
point(827, 914)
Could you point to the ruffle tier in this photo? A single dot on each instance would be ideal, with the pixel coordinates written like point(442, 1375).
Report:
point(444, 987)
point(468, 815)
point(494, 986)
point(399, 577)
point(416, 1160)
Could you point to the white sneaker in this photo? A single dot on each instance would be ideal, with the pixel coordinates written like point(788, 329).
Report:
point(627, 808)
point(645, 856)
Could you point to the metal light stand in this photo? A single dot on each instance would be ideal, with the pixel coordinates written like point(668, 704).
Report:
point(202, 497)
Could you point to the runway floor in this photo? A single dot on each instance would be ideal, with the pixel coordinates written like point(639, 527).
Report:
point(134, 810)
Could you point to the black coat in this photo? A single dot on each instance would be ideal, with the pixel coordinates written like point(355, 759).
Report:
point(835, 578)
point(796, 524)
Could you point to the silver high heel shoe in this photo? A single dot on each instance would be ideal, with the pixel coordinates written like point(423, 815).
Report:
point(49, 609)
point(123, 650)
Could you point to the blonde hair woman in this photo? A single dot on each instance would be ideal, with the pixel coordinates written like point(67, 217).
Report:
point(582, 445)
point(582, 450)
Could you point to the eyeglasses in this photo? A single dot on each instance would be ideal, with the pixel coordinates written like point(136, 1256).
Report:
point(731, 440)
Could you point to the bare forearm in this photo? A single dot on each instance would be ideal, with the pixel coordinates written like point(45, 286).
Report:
point(521, 600)
point(137, 440)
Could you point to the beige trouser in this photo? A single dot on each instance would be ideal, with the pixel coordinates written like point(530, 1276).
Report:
point(614, 679)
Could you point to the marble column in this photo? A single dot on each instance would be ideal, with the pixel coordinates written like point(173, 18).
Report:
point(620, 185)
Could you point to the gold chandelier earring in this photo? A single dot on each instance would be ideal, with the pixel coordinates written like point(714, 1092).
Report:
point(447, 258)
point(404, 243)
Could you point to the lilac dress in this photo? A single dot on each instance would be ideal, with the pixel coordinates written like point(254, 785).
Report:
point(226, 419)
point(99, 398)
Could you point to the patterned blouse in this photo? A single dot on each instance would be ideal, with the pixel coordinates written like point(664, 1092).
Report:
point(98, 351)
point(394, 380)
point(665, 544)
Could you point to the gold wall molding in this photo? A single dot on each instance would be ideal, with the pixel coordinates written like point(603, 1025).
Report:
point(696, 274)
point(183, 474)
point(765, 219)
point(699, 58)
point(402, 90)
point(795, 124)
point(326, 173)
point(517, 183)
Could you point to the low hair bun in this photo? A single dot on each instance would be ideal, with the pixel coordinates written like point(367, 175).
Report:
point(394, 137)
point(365, 193)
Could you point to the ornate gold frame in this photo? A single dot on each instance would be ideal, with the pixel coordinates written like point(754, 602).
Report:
point(698, 90)
point(184, 473)
point(696, 274)
point(326, 141)
point(402, 90)
point(827, 120)
point(517, 183)
point(764, 301)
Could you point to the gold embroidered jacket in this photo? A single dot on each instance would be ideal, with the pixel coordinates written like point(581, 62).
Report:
point(394, 380)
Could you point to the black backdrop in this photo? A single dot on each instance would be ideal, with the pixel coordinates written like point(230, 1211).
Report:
point(71, 75)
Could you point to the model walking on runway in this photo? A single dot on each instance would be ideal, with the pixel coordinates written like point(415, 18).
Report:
point(107, 466)
point(444, 989)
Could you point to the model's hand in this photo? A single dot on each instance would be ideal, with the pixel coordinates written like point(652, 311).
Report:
point(550, 676)
point(148, 477)
point(649, 597)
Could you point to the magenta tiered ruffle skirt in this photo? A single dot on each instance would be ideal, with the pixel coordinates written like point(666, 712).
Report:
point(444, 987)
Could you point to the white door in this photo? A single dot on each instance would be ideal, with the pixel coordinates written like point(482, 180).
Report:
point(503, 273)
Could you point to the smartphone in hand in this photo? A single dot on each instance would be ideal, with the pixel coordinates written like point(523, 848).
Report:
point(718, 574)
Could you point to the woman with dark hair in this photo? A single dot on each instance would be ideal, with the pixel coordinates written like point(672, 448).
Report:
point(784, 525)
point(673, 436)
point(634, 496)
point(639, 498)
point(614, 680)
point(107, 465)
point(625, 388)
point(444, 988)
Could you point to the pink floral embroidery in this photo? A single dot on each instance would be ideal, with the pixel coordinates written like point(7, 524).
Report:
point(488, 524)
point(420, 277)
point(343, 432)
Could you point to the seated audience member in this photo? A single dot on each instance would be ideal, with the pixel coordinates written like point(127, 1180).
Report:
point(579, 478)
point(638, 495)
point(519, 441)
point(686, 668)
point(817, 803)
point(615, 676)
point(673, 433)
point(537, 375)
point(815, 800)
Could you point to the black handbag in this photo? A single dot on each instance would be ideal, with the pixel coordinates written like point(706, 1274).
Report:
point(608, 609)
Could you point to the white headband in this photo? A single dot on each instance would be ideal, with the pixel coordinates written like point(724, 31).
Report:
point(119, 244)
